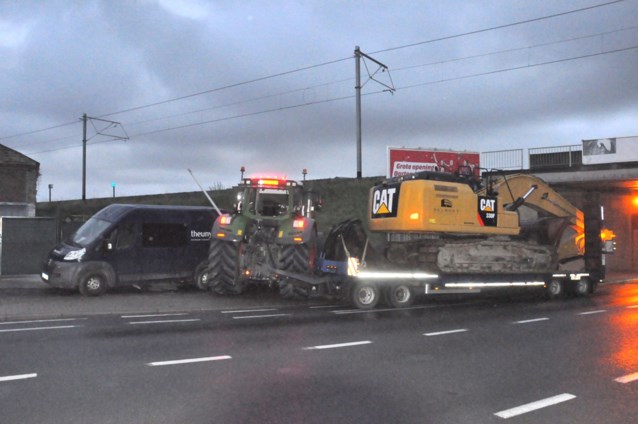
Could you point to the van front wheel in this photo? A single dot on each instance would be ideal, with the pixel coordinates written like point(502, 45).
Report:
point(92, 284)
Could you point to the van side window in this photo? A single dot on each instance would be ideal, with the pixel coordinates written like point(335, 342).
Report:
point(164, 235)
point(125, 236)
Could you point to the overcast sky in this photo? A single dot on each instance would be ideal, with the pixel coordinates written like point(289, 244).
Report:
point(269, 85)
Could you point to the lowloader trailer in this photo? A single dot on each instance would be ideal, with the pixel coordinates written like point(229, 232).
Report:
point(447, 234)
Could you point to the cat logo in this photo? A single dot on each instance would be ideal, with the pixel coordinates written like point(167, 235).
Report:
point(487, 205)
point(385, 200)
point(487, 214)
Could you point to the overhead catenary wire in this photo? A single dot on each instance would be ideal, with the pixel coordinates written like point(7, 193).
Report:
point(336, 61)
point(399, 88)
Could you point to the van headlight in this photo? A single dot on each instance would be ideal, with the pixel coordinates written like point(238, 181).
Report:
point(75, 255)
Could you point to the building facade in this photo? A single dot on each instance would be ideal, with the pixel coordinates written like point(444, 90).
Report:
point(18, 183)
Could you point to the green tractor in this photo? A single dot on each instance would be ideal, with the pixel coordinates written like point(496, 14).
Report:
point(271, 232)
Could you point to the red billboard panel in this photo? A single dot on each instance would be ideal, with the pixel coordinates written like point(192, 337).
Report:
point(403, 161)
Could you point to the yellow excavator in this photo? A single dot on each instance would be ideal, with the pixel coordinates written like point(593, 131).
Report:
point(446, 233)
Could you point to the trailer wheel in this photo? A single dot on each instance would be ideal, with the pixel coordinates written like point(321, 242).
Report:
point(555, 289)
point(365, 295)
point(223, 267)
point(92, 283)
point(583, 287)
point(399, 296)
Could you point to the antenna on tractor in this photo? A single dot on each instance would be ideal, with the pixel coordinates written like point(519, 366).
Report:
point(205, 194)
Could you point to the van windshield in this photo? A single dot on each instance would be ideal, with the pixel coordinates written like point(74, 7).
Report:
point(89, 231)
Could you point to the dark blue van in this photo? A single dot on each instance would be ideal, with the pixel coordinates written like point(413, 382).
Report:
point(129, 244)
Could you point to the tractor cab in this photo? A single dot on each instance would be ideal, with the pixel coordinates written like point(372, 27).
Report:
point(268, 198)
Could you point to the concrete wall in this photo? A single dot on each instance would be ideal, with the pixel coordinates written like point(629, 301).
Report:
point(25, 243)
point(18, 186)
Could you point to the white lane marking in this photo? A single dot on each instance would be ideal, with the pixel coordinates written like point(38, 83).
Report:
point(440, 333)
point(18, 377)
point(334, 346)
point(242, 311)
point(261, 316)
point(323, 306)
point(527, 321)
point(165, 321)
point(600, 311)
point(533, 406)
point(154, 315)
point(367, 311)
point(188, 361)
point(10, 330)
point(41, 320)
point(627, 378)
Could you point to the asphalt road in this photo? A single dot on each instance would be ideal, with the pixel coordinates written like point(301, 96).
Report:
point(446, 360)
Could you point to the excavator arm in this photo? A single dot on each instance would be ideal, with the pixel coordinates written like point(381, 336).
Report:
point(515, 189)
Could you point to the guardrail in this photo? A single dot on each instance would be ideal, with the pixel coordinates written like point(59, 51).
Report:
point(556, 157)
point(502, 159)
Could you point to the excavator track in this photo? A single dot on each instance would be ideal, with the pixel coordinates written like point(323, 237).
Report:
point(471, 256)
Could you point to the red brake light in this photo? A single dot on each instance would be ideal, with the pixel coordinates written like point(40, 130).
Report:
point(225, 219)
point(299, 223)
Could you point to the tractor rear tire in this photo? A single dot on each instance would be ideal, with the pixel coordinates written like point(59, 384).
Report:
point(299, 259)
point(223, 267)
point(292, 291)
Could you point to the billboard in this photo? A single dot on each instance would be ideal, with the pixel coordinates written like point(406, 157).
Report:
point(404, 161)
point(610, 150)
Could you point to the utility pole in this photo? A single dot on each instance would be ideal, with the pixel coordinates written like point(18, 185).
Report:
point(357, 71)
point(381, 67)
point(86, 119)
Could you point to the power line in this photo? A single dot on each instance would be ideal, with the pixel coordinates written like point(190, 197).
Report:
point(479, 31)
point(226, 87)
point(320, 65)
point(38, 131)
point(516, 68)
point(306, 104)
point(515, 49)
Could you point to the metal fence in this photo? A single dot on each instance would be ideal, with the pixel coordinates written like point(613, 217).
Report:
point(502, 159)
point(559, 157)
point(556, 157)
